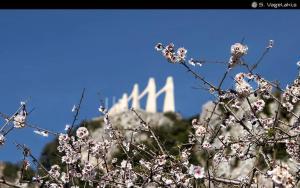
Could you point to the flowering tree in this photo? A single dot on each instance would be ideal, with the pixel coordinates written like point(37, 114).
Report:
point(237, 132)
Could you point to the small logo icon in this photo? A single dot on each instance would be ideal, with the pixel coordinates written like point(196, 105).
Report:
point(254, 4)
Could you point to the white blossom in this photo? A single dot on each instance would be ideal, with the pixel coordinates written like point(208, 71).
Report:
point(126, 164)
point(82, 132)
point(258, 105)
point(74, 108)
point(194, 62)
point(54, 171)
point(19, 120)
point(42, 133)
point(271, 44)
point(181, 54)
point(200, 131)
point(243, 88)
point(65, 177)
point(159, 47)
point(2, 139)
point(281, 176)
point(238, 49)
point(67, 127)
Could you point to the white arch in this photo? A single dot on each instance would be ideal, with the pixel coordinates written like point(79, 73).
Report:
point(169, 102)
point(134, 97)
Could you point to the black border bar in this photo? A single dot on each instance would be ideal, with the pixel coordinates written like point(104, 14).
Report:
point(149, 4)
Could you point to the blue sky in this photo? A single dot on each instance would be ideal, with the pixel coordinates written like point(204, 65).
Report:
point(51, 55)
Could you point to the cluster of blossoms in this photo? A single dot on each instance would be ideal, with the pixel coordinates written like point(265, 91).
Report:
point(291, 95)
point(237, 51)
point(170, 54)
point(88, 172)
point(238, 149)
point(54, 172)
point(200, 130)
point(281, 176)
point(293, 149)
point(19, 119)
point(176, 56)
point(264, 88)
point(267, 123)
point(70, 147)
point(242, 87)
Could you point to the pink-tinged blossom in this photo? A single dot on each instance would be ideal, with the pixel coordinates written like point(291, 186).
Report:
point(26, 164)
point(258, 105)
point(239, 77)
point(170, 54)
point(197, 171)
point(63, 138)
point(206, 145)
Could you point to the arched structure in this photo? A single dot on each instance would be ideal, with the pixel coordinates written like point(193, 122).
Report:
point(152, 95)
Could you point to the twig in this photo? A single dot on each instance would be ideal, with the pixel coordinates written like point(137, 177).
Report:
point(77, 112)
